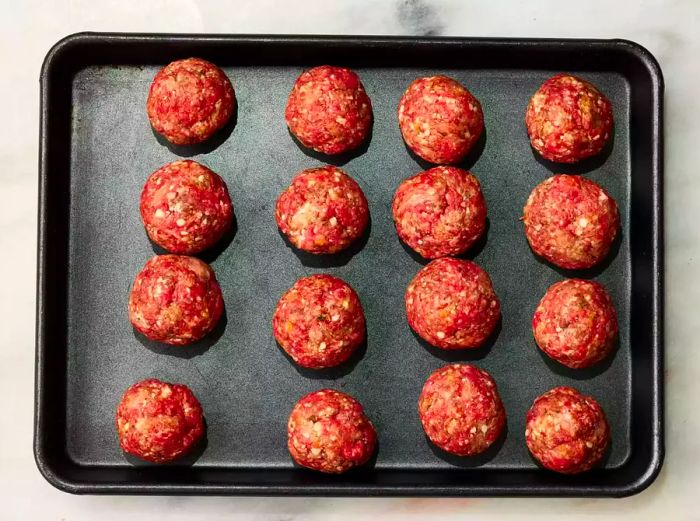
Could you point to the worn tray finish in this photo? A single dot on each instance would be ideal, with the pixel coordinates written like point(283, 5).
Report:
point(97, 149)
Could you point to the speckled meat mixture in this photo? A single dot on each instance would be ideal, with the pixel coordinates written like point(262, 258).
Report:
point(328, 110)
point(158, 421)
point(566, 431)
point(319, 321)
point(189, 101)
point(440, 120)
point(460, 409)
point(440, 211)
point(328, 431)
point(451, 304)
point(175, 300)
point(185, 207)
point(575, 323)
point(322, 211)
point(568, 119)
point(571, 221)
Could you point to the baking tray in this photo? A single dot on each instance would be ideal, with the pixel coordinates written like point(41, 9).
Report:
point(97, 149)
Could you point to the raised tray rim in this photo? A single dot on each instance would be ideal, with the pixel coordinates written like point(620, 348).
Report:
point(55, 476)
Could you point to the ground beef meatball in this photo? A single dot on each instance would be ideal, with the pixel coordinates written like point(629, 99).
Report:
point(159, 421)
point(568, 119)
point(328, 431)
point(440, 211)
point(322, 211)
point(460, 409)
point(328, 110)
point(451, 304)
point(575, 323)
point(571, 221)
point(319, 321)
point(189, 101)
point(566, 431)
point(185, 207)
point(439, 119)
point(175, 300)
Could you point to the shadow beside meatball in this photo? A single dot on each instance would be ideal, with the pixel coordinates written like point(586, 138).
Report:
point(330, 260)
point(587, 273)
point(330, 373)
point(463, 355)
point(583, 373)
point(207, 146)
point(470, 254)
point(470, 461)
point(579, 167)
point(338, 160)
point(187, 351)
point(215, 250)
point(479, 245)
point(186, 460)
point(466, 163)
point(413, 253)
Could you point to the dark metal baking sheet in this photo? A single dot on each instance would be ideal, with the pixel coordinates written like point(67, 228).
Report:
point(97, 149)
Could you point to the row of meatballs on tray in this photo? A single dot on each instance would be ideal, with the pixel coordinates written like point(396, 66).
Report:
point(319, 322)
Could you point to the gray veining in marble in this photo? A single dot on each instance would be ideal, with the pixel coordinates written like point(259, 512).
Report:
point(27, 29)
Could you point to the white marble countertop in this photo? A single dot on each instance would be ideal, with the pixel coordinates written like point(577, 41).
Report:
point(28, 29)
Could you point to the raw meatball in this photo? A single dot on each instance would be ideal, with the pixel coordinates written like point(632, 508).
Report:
point(566, 431)
point(451, 304)
point(159, 421)
point(175, 300)
point(440, 211)
point(328, 110)
point(328, 431)
point(460, 409)
point(568, 119)
point(322, 211)
point(571, 221)
point(319, 321)
point(189, 100)
point(575, 323)
point(185, 207)
point(439, 119)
